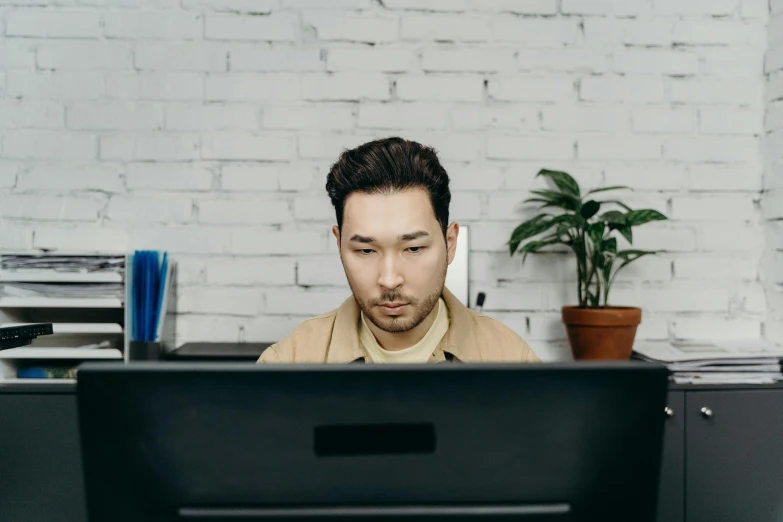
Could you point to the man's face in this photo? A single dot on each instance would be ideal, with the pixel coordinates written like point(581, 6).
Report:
point(394, 256)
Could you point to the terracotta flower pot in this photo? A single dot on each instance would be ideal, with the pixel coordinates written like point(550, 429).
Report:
point(601, 333)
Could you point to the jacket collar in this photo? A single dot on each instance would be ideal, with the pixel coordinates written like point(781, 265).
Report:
point(346, 347)
point(460, 340)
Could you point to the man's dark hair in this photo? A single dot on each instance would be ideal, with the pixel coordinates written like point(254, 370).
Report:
point(389, 165)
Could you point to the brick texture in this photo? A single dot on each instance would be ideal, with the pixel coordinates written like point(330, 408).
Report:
point(206, 127)
point(772, 166)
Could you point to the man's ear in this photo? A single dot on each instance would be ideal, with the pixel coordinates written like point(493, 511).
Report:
point(336, 232)
point(452, 232)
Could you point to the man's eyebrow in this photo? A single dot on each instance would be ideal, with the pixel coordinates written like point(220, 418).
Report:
point(362, 239)
point(413, 235)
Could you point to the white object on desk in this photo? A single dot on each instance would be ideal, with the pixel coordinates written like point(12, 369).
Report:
point(458, 276)
point(60, 353)
point(51, 302)
point(78, 328)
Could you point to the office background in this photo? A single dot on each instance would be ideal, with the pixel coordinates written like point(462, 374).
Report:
point(206, 128)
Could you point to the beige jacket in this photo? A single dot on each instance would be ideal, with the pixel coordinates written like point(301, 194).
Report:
point(334, 338)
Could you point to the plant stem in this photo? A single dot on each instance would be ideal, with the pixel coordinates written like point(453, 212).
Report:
point(589, 253)
point(586, 277)
point(608, 286)
point(599, 253)
point(581, 266)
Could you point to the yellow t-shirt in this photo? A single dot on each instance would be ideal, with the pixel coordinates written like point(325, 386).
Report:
point(418, 353)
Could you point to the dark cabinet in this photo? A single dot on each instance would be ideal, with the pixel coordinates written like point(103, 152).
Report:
point(40, 460)
point(671, 489)
point(722, 455)
point(734, 455)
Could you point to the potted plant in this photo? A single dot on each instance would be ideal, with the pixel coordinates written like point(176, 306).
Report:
point(590, 228)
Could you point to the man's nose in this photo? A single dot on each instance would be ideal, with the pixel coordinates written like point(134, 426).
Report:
point(391, 275)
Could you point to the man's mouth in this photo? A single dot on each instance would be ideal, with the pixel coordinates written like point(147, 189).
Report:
point(392, 308)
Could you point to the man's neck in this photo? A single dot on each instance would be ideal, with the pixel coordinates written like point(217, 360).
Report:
point(394, 341)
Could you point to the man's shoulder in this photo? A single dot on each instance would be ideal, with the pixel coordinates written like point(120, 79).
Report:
point(308, 342)
point(490, 328)
point(314, 324)
point(501, 342)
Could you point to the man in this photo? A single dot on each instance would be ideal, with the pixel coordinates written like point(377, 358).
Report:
point(391, 197)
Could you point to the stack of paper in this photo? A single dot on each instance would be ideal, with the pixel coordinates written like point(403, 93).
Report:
point(719, 362)
point(63, 290)
point(64, 263)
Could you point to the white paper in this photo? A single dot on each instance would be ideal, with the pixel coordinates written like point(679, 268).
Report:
point(725, 362)
point(739, 351)
point(60, 353)
point(726, 378)
point(63, 263)
point(63, 290)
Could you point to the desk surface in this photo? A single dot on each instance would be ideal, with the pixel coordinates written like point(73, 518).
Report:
point(719, 387)
point(218, 352)
point(41, 386)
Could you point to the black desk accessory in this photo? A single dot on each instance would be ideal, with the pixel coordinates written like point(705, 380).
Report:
point(16, 336)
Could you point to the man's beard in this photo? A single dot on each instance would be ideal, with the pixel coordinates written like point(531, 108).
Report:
point(392, 324)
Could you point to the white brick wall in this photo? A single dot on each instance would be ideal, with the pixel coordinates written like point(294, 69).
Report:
point(200, 127)
point(773, 175)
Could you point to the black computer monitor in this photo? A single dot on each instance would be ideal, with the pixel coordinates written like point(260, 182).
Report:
point(233, 442)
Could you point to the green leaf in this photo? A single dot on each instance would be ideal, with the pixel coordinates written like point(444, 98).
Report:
point(535, 246)
point(559, 199)
point(529, 224)
point(546, 203)
point(563, 235)
point(613, 217)
point(574, 220)
point(565, 205)
point(590, 209)
point(563, 181)
point(553, 196)
point(596, 231)
point(633, 253)
point(627, 233)
point(604, 189)
point(610, 245)
point(528, 229)
point(629, 256)
point(607, 273)
point(548, 195)
point(640, 217)
point(620, 203)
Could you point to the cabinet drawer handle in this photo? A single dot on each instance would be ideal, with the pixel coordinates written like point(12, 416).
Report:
point(706, 412)
point(669, 412)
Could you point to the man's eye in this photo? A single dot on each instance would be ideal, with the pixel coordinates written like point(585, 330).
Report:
point(415, 250)
point(365, 251)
